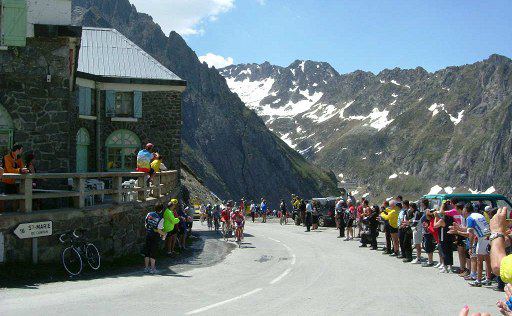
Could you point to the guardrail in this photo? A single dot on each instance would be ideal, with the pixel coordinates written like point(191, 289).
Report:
point(162, 184)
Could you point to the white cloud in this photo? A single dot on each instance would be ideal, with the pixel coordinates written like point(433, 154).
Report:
point(185, 17)
point(216, 60)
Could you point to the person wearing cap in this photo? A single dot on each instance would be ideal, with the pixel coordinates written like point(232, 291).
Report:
point(391, 215)
point(144, 158)
point(170, 228)
point(154, 225)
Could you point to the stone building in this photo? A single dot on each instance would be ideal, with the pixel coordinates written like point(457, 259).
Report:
point(81, 99)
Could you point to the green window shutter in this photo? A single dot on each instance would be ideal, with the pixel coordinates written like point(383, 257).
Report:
point(88, 101)
point(110, 103)
point(84, 100)
point(14, 23)
point(81, 100)
point(137, 104)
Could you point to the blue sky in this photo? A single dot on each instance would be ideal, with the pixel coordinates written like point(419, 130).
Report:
point(350, 35)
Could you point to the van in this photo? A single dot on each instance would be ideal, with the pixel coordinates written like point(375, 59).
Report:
point(493, 200)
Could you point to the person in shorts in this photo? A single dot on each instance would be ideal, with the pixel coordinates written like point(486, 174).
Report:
point(478, 231)
point(417, 230)
point(154, 224)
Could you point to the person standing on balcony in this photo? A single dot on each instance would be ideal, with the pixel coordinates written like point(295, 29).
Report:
point(13, 164)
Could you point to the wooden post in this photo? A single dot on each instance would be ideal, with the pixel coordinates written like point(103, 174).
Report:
point(79, 186)
point(117, 184)
point(35, 257)
point(142, 184)
point(26, 190)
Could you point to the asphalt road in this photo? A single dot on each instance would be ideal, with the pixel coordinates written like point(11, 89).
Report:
point(278, 270)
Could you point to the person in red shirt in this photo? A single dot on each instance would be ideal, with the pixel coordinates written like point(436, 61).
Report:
point(359, 218)
point(225, 218)
point(351, 212)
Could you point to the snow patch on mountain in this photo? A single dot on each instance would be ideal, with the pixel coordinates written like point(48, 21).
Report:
point(286, 138)
point(458, 119)
point(436, 108)
point(251, 92)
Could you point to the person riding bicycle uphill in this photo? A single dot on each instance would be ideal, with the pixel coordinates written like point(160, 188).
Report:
point(154, 224)
point(238, 221)
point(225, 218)
point(282, 207)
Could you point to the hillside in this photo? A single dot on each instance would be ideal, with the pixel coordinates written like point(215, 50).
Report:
point(225, 144)
point(401, 130)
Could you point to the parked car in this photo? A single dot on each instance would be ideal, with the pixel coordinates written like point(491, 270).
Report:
point(493, 200)
point(325, 207)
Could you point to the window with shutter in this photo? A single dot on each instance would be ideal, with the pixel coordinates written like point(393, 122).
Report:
point(110, 103)
point(137, 104)
point(13, 21)
point(84, 100)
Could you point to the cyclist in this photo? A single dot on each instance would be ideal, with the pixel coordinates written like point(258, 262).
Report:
point(202, 212)
point(238, 221)
point(209, 216)
point(216, 217)
point(154, 224)
point(225, 218)
point(284, 218)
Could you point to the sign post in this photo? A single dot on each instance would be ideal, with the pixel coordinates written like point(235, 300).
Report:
point(34, 231)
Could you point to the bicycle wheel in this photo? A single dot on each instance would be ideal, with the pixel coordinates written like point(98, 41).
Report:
point(93, 256)
point(72, 261)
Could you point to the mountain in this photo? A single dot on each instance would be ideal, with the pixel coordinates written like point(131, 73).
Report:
point(225, 144)
point(398, 131)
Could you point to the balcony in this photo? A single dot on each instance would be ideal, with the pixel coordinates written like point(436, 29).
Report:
point(75, 190)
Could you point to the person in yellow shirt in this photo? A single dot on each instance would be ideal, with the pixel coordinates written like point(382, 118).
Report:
point(157, 164)
point(391, 215)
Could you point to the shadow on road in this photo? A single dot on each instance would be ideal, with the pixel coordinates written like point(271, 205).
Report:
point(205, 248)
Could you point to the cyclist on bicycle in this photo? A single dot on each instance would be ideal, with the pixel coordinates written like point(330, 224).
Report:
point(226, 220)
point(284, 218)
point(209, 215)
point(238, 220)
point(216, 217)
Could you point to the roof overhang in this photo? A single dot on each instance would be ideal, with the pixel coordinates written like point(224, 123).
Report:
point(120, 83)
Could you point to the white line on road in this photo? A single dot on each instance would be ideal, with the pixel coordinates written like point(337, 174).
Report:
point(274, 239)
point(281, 276)
point(203, 309)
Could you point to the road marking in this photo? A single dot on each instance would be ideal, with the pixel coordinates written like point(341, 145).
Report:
point(281, 276)
point(294, 258)
point(203, 309)
point(274, 239)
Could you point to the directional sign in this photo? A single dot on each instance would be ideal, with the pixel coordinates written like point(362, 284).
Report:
point(34, 230)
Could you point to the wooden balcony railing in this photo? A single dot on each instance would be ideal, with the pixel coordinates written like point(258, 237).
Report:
point(162, 184)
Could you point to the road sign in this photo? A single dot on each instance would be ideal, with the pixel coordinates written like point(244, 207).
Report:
point(34, 230)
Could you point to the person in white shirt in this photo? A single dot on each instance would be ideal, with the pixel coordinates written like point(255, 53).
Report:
point(309, 213)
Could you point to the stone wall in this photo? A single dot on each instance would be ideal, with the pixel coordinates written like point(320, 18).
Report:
point(41, 111)
point(160, 124)
point(117, 230)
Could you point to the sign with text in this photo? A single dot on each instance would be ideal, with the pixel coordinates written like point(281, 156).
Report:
point(34, 230)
